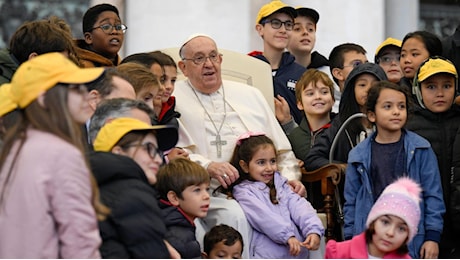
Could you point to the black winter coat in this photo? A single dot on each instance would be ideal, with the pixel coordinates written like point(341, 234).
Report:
point(440, 129)
point(135, 228)
point(181, 231)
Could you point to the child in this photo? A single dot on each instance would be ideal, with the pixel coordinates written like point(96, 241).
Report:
point(103, 37)
point(391, 225)
point(43, 154)
point(314, 94)
point(415, 48)
point(223, 242)
point(438, 120)
point(274, 24)
point(392, 152)
point(145, 84)
point(127, 157)
point(285, 224)
point(183, 186)
point(387, 56)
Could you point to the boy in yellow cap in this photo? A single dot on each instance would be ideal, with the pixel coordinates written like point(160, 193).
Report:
point(274, 24)
point(438, 120)
point(387, 56)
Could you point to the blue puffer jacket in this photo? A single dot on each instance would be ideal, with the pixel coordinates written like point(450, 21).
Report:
point(422, 167)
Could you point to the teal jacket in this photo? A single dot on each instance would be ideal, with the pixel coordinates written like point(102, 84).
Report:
point(8, 66)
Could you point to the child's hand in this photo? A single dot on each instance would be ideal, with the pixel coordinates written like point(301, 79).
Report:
point(294, 246)
point(429, 250)
point(312, 242)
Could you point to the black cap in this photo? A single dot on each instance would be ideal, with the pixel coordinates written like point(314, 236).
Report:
point(308, 12)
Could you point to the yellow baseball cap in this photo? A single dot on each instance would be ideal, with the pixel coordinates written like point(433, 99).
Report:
point(43, 72)
point(275, 6)
point(434, 66)
point(388, 42)
point(114, 130)
point(6, 102)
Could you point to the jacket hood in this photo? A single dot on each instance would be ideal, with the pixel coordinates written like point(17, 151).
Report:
point(107, 167)
point(369, 68)
point(318, 61)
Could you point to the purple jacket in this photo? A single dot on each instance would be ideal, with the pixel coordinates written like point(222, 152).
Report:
point(47, 211)
point(355, 248)
point(274, 224)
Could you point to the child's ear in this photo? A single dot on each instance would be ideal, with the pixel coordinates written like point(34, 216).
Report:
point(88, 38)
point(204, 255)
point(173, 198)
point(337, 73)
point(244, 166)
point(299, 105)
point(259, 30)
point(93, 99)
point(371, 116)
point(116, 150)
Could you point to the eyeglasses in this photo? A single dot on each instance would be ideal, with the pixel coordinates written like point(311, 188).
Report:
point(276, 24)
point(213, 57)
point(354, 64)
point(151, 149)
point(108, 28)
point(388, 59)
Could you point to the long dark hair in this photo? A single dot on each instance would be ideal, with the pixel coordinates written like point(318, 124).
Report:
point(244, 152)
point(54, 118)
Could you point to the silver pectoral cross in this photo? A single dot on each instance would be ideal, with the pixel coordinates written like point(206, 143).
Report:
point(218, 143)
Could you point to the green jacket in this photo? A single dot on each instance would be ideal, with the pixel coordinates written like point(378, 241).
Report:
point(8, 66)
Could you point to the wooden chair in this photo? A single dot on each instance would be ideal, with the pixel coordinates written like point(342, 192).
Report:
point(330, 175)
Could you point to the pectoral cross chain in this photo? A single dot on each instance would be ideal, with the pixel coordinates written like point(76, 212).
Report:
point(218, 143)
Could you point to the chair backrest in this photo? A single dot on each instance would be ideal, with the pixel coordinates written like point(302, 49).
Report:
point(241, 68)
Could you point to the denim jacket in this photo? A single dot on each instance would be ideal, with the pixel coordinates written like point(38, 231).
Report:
point(422, 167)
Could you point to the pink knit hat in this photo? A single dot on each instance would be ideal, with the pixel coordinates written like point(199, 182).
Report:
point(401, 199)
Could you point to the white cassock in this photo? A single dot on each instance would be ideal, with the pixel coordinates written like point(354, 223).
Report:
point(245, 110)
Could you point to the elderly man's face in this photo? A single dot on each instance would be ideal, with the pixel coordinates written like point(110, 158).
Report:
point(206, 77)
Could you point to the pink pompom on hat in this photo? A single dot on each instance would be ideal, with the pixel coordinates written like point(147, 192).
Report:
point(401, 199)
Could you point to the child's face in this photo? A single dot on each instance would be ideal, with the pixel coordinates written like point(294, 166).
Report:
point(362, 85)
point(316, 99)
point(413, 53)
point(157, 70)
point(77, 102)
point(195, 202)
point(107, 45)
point(438, 92)
point(303, 36)
point(391, 233)
point(143, 157)
point(351, 59)
point(222, 251)
point(170, 80)
point(390, 112)
point(389, 61)
point(148, 94)
point(276, 39)
point(263, 164)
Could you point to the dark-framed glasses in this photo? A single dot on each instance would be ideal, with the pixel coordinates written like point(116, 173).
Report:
point(108, 28)
point(213, 57)
point(388, 59)
point(354, 64)
point(151, 149)
point(276, 24)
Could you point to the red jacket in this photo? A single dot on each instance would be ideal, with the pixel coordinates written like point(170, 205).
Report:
point(356, 248)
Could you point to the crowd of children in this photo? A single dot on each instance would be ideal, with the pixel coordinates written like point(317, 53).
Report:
point(90, 163)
